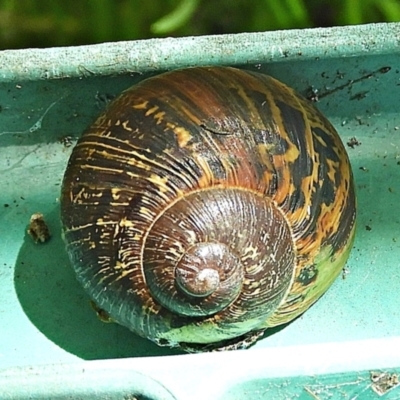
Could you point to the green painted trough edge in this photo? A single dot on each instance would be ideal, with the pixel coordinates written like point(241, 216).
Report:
point(213, 375)
point(149, 55)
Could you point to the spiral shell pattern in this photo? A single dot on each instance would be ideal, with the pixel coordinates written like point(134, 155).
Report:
point(208, 203)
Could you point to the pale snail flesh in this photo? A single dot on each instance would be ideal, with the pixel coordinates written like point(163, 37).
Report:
point(206, 205)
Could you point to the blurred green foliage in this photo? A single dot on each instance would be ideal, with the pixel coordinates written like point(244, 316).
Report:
point(45, 23)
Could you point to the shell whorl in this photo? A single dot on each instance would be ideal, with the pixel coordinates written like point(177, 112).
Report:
point(207, 203)
point(202, 269)
point(212, 248)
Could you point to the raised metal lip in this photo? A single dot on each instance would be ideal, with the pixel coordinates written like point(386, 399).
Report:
point(141, 56)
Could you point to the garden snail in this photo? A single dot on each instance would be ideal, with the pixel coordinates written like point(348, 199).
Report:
point(206, 205)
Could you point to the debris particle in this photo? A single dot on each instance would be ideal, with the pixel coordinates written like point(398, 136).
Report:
point(102, 99)
point(353, 142)
point(307, 275)
point(101, 314)
point(365, 169)
point(339, 75)
point(368, 227)
point(345, 272)
point(66, 141)
point(311, 393)
point(38, 228)
point(382, 382)
point(359, 96)
point(383, 70)
point(133, 397)
point(312, 94)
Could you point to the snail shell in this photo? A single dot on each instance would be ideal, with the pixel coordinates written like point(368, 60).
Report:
point(206, 205)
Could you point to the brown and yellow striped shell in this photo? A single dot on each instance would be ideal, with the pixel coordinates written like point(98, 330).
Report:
point(206, 205)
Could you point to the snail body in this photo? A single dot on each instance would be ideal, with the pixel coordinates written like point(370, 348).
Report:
point(207, 205)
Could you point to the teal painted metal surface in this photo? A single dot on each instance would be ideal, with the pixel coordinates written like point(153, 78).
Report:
point(47, 97)
point(159, 54)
